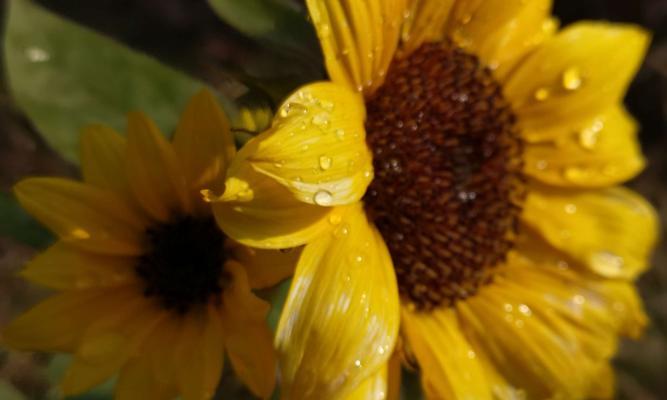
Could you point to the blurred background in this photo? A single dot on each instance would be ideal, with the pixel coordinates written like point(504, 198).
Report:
point(188, 35)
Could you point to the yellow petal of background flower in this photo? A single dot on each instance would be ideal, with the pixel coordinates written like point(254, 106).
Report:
point(153, 170)
point(201, 353)
point(580, 72)
point(64, 267)
point(273, 218)
point(83, 215)
point(248, 339)
point(316, 147)
point(266, 268)
point(358, 38)
point(103, 159)
point(599, 151)
point(110, 341)
point(136, 381)
point(448, 364)
point(424, 21)
point(59, 322)
point(611, 231)
point(340, 321)
point(203, 142)
point(604, 383)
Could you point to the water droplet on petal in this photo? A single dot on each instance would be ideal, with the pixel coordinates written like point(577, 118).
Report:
point(572, 79)
point(36, 55)
point(321, 120)
point(325, 162)
point(589, 136)
point(570, 208)
point(542, 94)
point(80, 234)
point(607, 263)
point(323, 198)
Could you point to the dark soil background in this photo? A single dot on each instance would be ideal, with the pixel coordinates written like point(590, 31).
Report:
point(188, 35)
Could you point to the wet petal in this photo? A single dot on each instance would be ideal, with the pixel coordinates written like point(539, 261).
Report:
point(83, 215)
point(316, 148)
point(273, 218)
point(565, 79)
point(153, 170)
point(64, 267)
point(358, 38)
point(448, 363)
point(373, 388)
point(425, 21)
point(611, 231)
point(344, 284)
point(266, 268)
point(204, 143)
point(248, 339)
point(599, 151)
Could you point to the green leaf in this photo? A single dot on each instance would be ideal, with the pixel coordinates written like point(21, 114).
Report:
point(272, 21)
point(65, 76)
point(8, 392)
point(17, 224)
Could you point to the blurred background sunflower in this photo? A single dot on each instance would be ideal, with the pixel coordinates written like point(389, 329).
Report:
point(257, 58)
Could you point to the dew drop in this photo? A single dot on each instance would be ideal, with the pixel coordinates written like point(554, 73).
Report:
point(321, 120)
point(37, 55)
point(607, 263)
point(79, 233)
point(572, 79)
point(357, 363)
point(340, 134)
point(570, 208)
point(588, 137)
point(323, 198)
point(542, 94)
point(325, 162)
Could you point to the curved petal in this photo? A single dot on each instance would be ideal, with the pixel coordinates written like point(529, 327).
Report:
point(358, 38)
point(448, 363)
point(103, 159)
point(604, 384)
point(581, 71)
point(425, 21)
point(248, 339)
point(109, 343)
point(600, 151)
point(266, 268)
point(63, 267)
point(552, 326)
point(153, 170)
point(340, 321)
point(204, 143)
point(83, 215)
point(611, 231)
point(373, 388)
point(316, 148)
point(59, 322)
point(273, 218)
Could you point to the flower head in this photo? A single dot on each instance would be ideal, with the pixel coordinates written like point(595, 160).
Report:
point(147, 283)
point(458, 176)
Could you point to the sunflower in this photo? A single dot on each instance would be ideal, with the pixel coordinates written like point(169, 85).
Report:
point(456, 186)
point(147, 283)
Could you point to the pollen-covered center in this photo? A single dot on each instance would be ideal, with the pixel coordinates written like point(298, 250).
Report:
point(183, 266)
point(448, 186)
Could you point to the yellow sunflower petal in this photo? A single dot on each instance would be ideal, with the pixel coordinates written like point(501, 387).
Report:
point(611, 231)
point(448, 363)
point(203, 142)
point(201, 354)
point(110, 342)
point(316, 148)
point(273, 219)
point(248, 339)
point(63, 267)
point(581, 71)
point(136, 381)
point(373, 388)
point(604, 383)
point(600, 151)
point(344, 284)
point(103, 158)
point(58, 323)
point(153, 170)
point(358, 38)
point(83, 215)
point(266, 268)
point(425, 21)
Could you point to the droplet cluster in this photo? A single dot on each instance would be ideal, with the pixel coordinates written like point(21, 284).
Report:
point(448, 185)
point(183, 266)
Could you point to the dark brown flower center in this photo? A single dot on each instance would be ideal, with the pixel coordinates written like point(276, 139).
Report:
point(448, 187)
point(184, 264)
